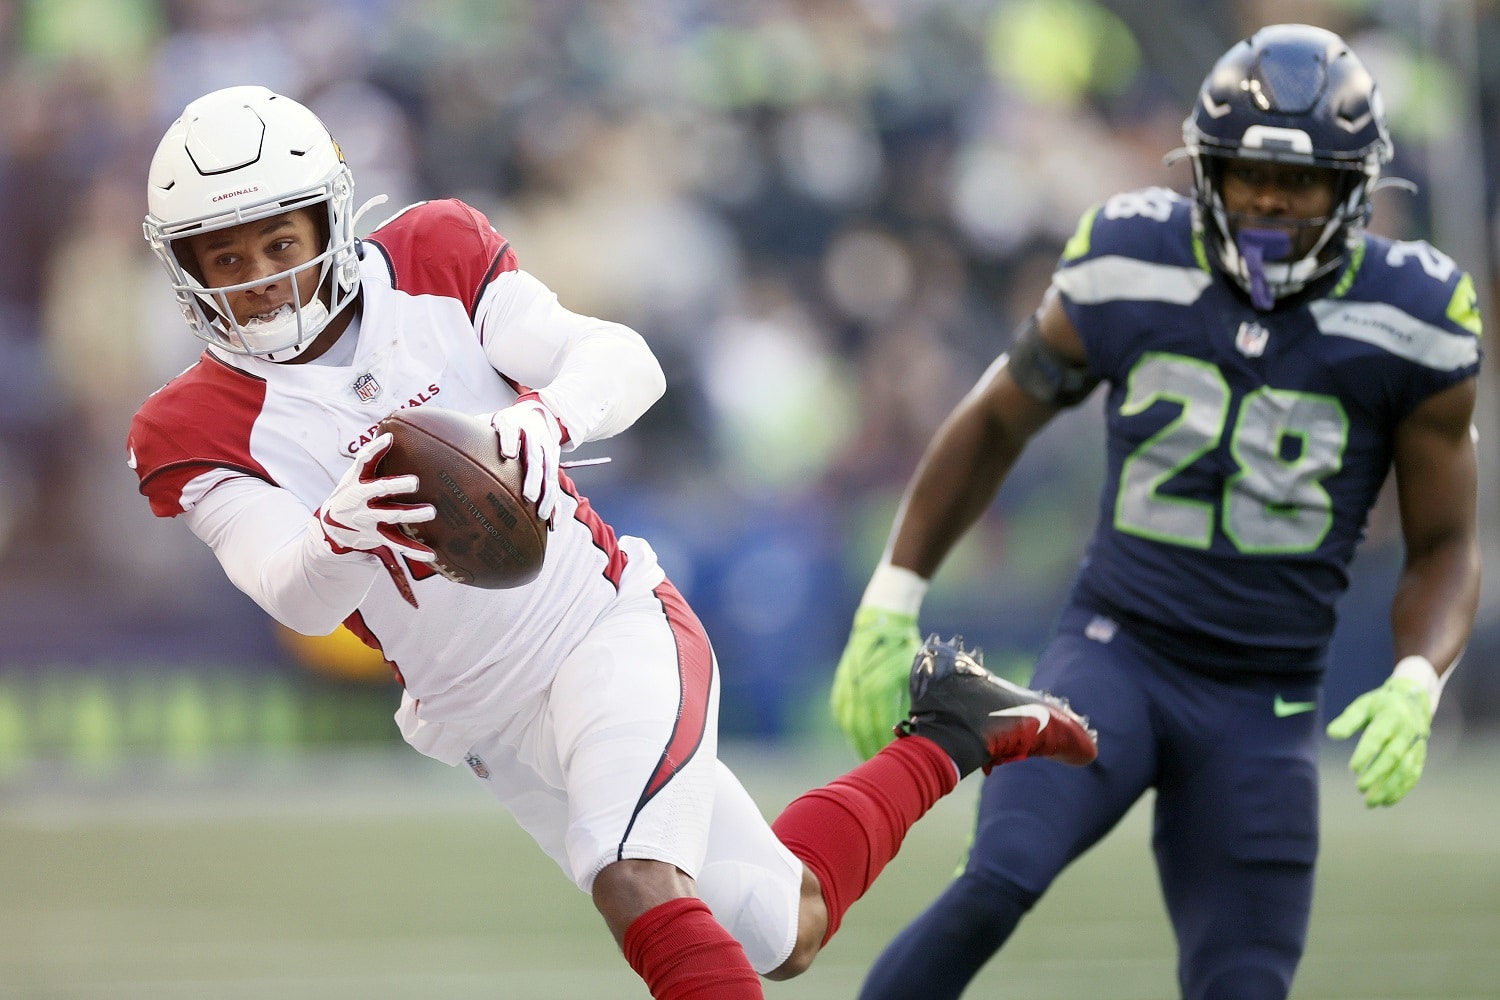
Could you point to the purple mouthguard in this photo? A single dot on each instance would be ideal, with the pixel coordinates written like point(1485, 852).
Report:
point(1257, 246)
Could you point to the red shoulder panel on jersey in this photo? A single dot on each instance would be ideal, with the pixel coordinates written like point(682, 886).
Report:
point(444, 248)
point(200, 420)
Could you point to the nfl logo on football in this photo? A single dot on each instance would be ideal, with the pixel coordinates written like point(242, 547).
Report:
point(366, 388)
point(1251, 339)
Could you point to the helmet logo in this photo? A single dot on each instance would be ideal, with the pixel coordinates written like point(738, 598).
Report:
point(223, 195)
point(1251, 339)
point(365, 387)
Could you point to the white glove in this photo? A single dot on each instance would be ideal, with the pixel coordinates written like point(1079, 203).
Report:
point(530, 431)
point(357, 517)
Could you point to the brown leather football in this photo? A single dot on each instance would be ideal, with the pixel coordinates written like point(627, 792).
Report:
point(485, 533)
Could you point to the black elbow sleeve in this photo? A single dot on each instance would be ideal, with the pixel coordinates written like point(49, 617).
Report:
point(1043, 373)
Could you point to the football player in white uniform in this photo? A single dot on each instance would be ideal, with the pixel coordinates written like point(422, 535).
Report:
point(586, 701)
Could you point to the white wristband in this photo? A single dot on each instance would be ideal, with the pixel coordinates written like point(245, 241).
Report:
point(1421, 670)
point(895, 588)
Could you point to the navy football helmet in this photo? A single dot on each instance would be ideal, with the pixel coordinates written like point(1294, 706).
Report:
point(1295, 94)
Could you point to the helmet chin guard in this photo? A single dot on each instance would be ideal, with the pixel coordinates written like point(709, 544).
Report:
point(240, 155)
point(1295, 94)
point(279, 337)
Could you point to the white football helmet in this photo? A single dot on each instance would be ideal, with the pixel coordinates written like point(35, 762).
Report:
point(238, 155)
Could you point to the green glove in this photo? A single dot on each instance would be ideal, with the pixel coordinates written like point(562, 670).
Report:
point(1397, 719)
point(870, 686)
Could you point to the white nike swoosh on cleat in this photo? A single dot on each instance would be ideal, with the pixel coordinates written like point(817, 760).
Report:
point(1037, 712)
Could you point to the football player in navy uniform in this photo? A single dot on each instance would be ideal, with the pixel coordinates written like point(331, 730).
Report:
point(1266, 362)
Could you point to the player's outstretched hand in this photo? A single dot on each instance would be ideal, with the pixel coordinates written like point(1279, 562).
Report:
point(1397, 719)
point(871, 685)
point(359, 515)
point(527, 429)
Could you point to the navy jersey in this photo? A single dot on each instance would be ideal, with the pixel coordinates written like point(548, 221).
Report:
point(1246, 448)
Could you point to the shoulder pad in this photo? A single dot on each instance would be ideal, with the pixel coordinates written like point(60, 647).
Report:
point(1137, 246)
point(200, 420)
point(1154, 223)
point(443, 248)
point(1418, 278)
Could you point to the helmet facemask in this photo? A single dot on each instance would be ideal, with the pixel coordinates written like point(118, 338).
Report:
point(1258, 253)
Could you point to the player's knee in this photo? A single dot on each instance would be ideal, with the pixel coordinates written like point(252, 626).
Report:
point(626, 889)
point(1244, 982)
point(989, 897)
point(812, 928)
point(799, 962)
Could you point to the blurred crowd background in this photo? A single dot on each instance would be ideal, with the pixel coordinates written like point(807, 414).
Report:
point(827, 217)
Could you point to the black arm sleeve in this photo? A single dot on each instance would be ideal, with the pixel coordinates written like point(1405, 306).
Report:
point(1044, 374)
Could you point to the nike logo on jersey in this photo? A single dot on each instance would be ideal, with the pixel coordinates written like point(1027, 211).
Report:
point(1284, 708)
point(131, 460)
point(1037, 712)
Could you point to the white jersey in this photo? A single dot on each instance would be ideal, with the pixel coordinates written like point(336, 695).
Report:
point(447, 319)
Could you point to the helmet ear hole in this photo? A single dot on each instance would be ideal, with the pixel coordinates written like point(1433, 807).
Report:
point(320, 221)
point(187, 260)
point(1213, 173)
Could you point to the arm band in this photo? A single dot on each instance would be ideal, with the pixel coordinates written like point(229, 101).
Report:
point(1043, 373)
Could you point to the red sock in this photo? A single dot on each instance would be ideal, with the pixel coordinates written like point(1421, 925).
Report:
point(850, 828)
point(683, 953)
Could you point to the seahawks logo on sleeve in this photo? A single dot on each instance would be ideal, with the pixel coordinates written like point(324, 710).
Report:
point(1409, 299)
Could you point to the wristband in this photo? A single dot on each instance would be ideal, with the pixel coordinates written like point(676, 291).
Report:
point(535, 397)
point(1421, 670)
point(895, 588)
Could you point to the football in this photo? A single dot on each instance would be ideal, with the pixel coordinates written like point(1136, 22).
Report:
point(485, 533)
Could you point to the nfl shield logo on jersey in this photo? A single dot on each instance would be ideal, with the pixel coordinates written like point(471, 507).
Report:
point(1251, 339)
point(1101, 628)
point(366, 388)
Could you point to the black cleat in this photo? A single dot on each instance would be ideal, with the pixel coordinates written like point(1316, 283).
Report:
point(981, 720)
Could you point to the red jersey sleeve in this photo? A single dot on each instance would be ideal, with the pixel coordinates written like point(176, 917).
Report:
point(199, 421)
point(444, 248)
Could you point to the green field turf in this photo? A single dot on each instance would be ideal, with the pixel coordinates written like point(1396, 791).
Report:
point(384, 875)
